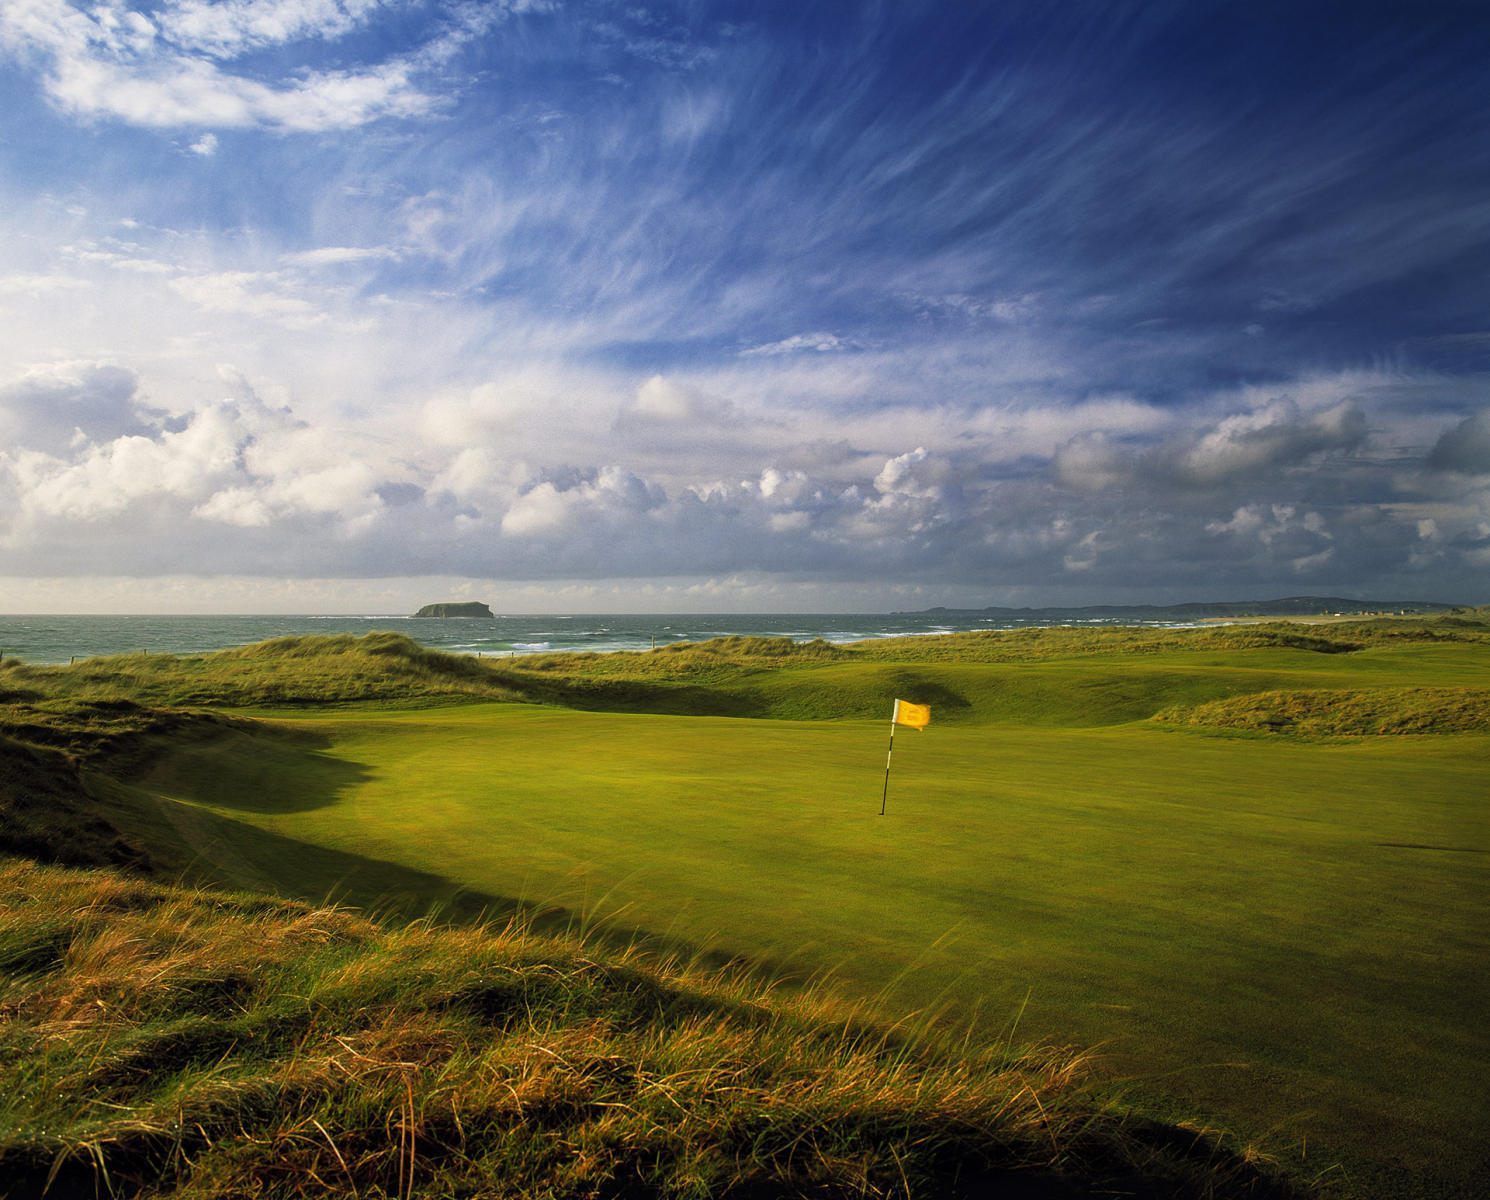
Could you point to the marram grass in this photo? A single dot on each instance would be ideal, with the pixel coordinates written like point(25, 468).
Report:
point(1344, 712)
point(157, 1041)
point(192, 1044)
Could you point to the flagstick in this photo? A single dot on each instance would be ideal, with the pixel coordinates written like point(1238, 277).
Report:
point(889, 752)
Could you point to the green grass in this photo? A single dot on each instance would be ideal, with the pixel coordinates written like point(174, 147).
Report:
point(1193, 850)
point(1286, 935)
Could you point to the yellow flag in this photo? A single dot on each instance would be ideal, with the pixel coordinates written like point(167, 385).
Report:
point(917, 716)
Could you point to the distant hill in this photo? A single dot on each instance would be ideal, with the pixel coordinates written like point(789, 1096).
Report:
point(1289, 606)
point(469, 608)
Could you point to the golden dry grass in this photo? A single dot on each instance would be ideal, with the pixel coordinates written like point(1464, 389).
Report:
point(158, 1041)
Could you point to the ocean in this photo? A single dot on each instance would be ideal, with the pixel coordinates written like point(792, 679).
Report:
point(61, 639)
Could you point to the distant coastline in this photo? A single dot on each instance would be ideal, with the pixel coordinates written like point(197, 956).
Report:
point(40, 638)
point(1320, 607)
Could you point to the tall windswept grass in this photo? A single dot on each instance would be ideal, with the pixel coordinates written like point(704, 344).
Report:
point(288, 672)
point(1344, 712)
point(156, 1041)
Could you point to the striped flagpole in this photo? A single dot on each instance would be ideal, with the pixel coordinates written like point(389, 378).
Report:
point(894, 712)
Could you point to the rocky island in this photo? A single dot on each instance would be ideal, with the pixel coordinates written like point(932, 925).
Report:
point(470, 608)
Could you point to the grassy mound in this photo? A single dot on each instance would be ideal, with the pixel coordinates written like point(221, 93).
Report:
point(1345, 712)
point(1042, 644)
point(158, 1042)
point(46, 812)
point(387, 668)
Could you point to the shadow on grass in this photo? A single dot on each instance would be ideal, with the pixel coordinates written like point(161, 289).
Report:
point(47, 813)
point(1443, 849)
point(218, 850)
point(665, 698)
point(920, 688)
point(37, 1172)
point(253, 766)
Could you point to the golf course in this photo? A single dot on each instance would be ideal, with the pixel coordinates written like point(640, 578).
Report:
point(1243, 870)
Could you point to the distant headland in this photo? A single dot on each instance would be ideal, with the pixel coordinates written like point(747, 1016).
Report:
point(1290, 606)
point(468, 608)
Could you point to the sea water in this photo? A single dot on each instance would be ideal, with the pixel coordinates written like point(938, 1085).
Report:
point(61, 639)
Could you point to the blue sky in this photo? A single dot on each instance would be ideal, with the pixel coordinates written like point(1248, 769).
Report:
point(347, 305)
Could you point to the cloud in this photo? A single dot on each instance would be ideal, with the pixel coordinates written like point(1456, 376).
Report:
point(502, 456)
point(234, 462)
point(679, 411)
point(172, 66)
point(1255, 443)
point(1281, 302)
point(905, 475)
point(37, 285)
point(810, 308)
point(55, 407)
point(1275, 435)
point(1464, 448)
point(333, 256)
point(822, 343)
point(226, 28)
point(251, 293)
point(1265, 523)
point(248, 483)
point(1093, 462)
point(660, 399)
point(612, 494)
point(109, 477)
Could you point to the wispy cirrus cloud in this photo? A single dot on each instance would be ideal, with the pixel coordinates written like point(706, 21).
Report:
point(821, 343)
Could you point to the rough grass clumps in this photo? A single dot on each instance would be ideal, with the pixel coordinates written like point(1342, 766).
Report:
point(46, 812)
point(737, 647)
point(158, 1042)
point(711, 677)
point(409, 654)
point(694, 661)
point(1344, 712)
point(1043, 644)
point(287, 671)
point(89, 728)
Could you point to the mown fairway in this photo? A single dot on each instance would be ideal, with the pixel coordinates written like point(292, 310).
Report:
point(1287, 935)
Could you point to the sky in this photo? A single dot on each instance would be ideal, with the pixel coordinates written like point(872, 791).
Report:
point(676, 305)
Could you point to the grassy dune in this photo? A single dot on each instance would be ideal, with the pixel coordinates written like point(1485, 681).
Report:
point(167, 1042)
point(1248, 865)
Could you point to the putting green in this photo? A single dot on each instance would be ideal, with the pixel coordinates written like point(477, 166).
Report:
point(1288, 936)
